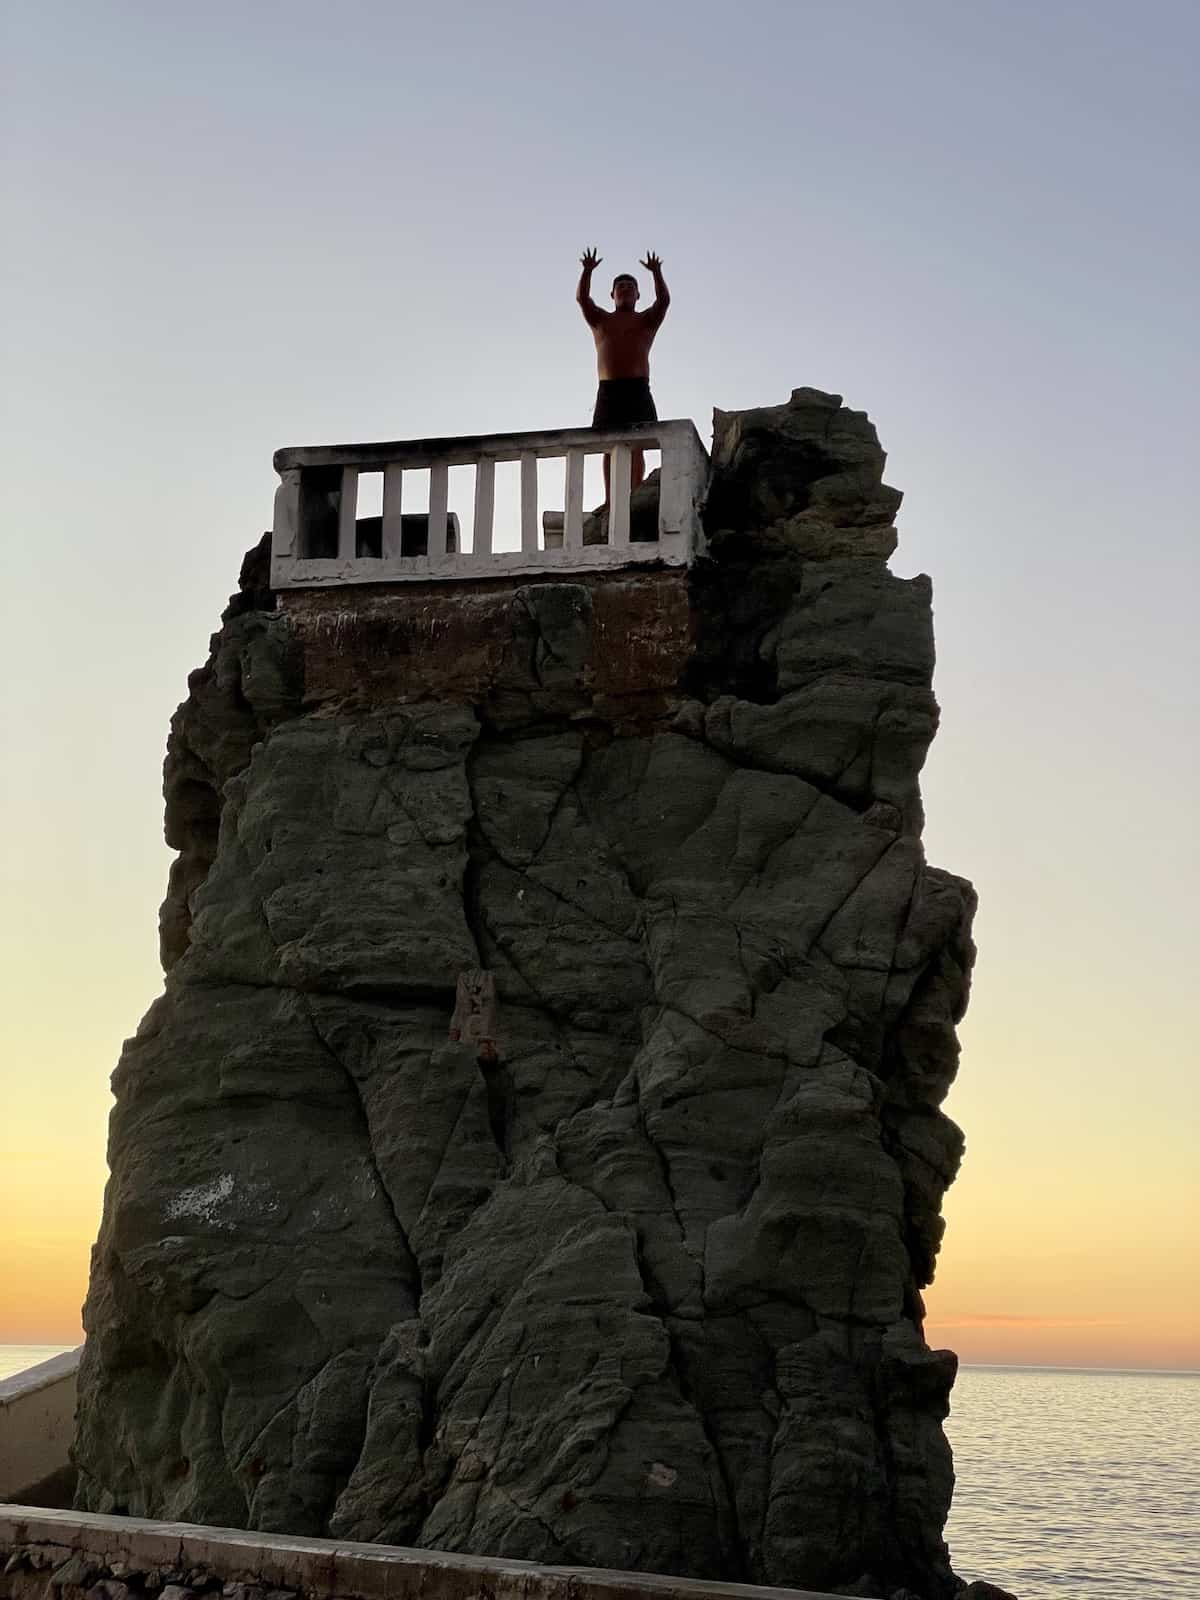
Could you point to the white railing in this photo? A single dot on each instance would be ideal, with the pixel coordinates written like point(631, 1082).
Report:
point(320, 539)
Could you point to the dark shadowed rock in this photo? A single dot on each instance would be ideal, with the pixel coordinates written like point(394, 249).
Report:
point(805, 476)
point(251, 681)
point(643, 515)
point(639, 1285)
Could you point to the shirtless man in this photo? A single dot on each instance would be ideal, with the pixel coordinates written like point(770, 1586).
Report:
point(623, 338)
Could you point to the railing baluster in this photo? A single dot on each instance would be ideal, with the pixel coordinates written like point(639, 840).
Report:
point(529, 499)
point(439, 499)
point(620, 474)
point(671, 489)
point(485, 502)
point(347, 512)
point(392, 547)
point(285, 537)
point(573, 523)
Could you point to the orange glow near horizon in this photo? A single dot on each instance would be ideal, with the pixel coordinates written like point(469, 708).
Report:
point(1135, 1344)
point(45, 1251)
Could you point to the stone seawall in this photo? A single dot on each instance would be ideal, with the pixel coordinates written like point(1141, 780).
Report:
point(48, 1555)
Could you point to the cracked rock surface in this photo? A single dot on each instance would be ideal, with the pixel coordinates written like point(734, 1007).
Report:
point(643, 1291)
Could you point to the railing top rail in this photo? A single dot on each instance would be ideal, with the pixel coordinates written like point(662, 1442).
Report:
point(467, 448)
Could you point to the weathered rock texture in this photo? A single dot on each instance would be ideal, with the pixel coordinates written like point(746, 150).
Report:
point(643, 1291)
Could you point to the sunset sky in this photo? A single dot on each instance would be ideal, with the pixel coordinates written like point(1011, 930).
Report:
point(235, 227)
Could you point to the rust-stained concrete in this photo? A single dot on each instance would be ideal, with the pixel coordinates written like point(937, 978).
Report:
point(412, 642)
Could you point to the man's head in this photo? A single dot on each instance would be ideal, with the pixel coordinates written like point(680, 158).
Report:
point(625, 291)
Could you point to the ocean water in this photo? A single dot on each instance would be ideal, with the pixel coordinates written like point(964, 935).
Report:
point(16, 1357)
point(1077, 1483)
point(1071, 1484)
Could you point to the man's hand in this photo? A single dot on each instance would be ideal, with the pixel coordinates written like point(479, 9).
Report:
point(653, 316)
point(592, 313)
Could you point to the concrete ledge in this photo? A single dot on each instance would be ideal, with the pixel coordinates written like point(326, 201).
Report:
point(37, 1423)
point(670, 549)
point(462, 449)
point(36, 1543)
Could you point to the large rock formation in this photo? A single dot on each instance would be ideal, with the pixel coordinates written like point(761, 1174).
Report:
point(641, 1288)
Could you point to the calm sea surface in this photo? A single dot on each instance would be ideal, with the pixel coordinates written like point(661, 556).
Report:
point(16, 1357)
point(1071, 1484)
point(1080, 1484)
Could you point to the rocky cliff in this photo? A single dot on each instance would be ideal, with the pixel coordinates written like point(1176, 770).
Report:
point(640, 1285)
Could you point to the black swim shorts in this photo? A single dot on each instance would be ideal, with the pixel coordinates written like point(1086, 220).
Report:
point(621, 402)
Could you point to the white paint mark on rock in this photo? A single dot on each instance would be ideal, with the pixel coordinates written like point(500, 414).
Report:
point(202, 1200)
point(661, 1475)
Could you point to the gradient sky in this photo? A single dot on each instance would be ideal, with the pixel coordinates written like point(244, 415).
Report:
point(231, 227)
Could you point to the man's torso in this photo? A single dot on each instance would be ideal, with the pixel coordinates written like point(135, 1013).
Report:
point(623, 340)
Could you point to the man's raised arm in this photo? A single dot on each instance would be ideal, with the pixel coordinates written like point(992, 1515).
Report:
point(662, 295)
point(592, 313)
